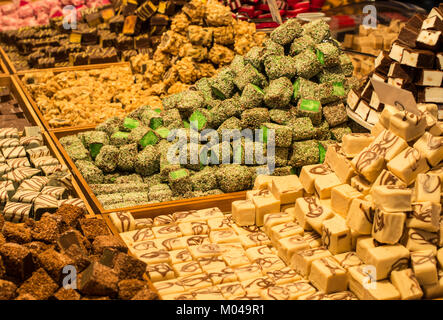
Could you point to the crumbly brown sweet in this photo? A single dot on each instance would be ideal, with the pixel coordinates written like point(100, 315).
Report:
point(67, 294)
point(39, 285)
point(7, 290)
point(145, 294)
point(92, 228)
point(16, 233)
point(127, 289)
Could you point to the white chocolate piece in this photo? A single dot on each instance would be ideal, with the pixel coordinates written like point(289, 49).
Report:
point(328, 276)
point(272, 219)
point(210, 213)
point(408, 164)
point(440, 257)
point(211, 263)
point(437, 172)
point(196, 240)
point(258, 193)
point(353, 99)
point(163, 220)
point(396, 52)
point(206, 250)
point(385, 117)
point(336, 236)
point(259, 252)
point(247, 272)
point(363, 109)
point(245, 230)
point(419, 240)
point(160, 272)
point(275, 293)
point(354, 143)
point(193, 228)
point(223, 236)
point(264, 205)
point(425, 216)
point(388, 145)
point(170, 244)
point(232, 290)
point(361, 184)
point(424, 265)
point(386, 259)
point(324, 184)
point(407, 284)
point(255, 285)
point(193, 282)
point(232, 248)
point(236, 260)
point(144, 247)
point(290, 245)
point(360, 216)
point(168, 287)
point(283, 276)
point(348, 259)
point(210, 293)
point(254, 239)
point(167, 231)
point(284, 230)
point(427, 188)
point(407, 125)
point(310, 173)
point(313, 239)
point(286, 189)
point(434, 290)
point(177, 296)
point(180, 256)
point(368, 163)
point(387, 178)
point(309, 211)
point(392, 198)
point(338, 162)
point(143, 223)
point(301, 261)
point(223, 223)
point(263, 182)
point(154, 257)
point(298, 289)
point(341, 198)
point(364, 244)
point(243, 212)
point(270, 263)
point(436, 129)
point(388, 226)
point(362, 284)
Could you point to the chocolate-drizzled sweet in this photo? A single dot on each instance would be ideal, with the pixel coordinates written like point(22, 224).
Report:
point(332, 267)
point(312, 252)
point(168, 229)
point(278, 293)
point(388, 179)
point(209, 248)
point(364, 159)
point(195, 240)
point(415, 286)
point(400, 264)
point(162, 268)
point(379, 221)
point(162, 254)
point(258, 237)
point(198, 228)
point(142, 234)
point(184, 255)
point(125, 220)
point(369, 212)
point(326, 237)
point(421, 214)
point(421, 239)
point(422, 258)
point(261, 283)
point(188, 267)
point(143, 246)
point(429, 185)
point(288, 226)
point(169, 243)
point(413, 157)
point(320, 169)
point(315, 210)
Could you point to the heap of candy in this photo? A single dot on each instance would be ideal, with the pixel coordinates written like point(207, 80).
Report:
point(202, 38)
point(35, 255)
point(414, 63)
point(298, 95)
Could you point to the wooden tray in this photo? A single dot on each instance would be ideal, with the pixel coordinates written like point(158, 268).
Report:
point(222, 201)
point(6, 63)
point(30, 98)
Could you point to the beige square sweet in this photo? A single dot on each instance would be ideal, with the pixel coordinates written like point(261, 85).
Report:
point(205, 250)
point(210, 293)
point(223, 275)
point(223, 223)
point(440, 257)
point(163, 220)
point(160, 272)
point(388, 145)
point(270, 263)
point(392, 198)
point(263, 182)
point(310, 173)
point(338, 162)
point(424, 265)
point(243, 212)
point(354, 143)
point(378, 127)
point(254, 285)
point(139, 235)
point(407, 284)
point(258, 193)
point(178, 296)
point(259, 252)
point(168, 231)
point(247, 272)
point(232, 290)
point(211, 263)
point(298, 289)
point(193, 228)
point(286, 188)
point(386, 259)
point(313, 239)
point(361, 184)
point(223, 236)
point(172, 243)
point(407, 125)
point(283, 276)
point(348, 259)
point(310, 213)
point(196, 240)
point(360, 216)
point(290, 245)
point(193, 282)
point(369, 164)
point(272, 219)
point(336, 235)
point(209, 213)
point(274, 293)
point(285, 230)
point(425, 216)
point(364, 244)
point(388, 226)
point(408, 164)
point(232, 248)
point(168, 287)
point(185, 216)
point(324, 184)
point(362, 284)
point(427, 188)
point(154, 257)
point(431, 148)
point(236, 260)
point(440, 233)
point(254, 239)
point(301, 260)
point(438, 171)
point(341, 197)
point(328, 276)
point(123, 221)
point(418, 240)
point(180, 256)
point(434, 290)
point(144, 247)
point(263, 206)
point(387, 178)
point(245, 230)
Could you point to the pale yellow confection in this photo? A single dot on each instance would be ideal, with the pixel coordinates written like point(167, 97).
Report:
point(211, 263)
point(254, 239)
point(388, 145)
point(160, 272)
point(377, 128)
point(407, 125)
point(324, 184)
point(348, 259)
point(309, 213)
point(298, 288)
point(144, 247)
point(310, 173)
point(290, 245)
point(154, 257)
point(259, 252)
point(438, 171)
point(407, 284)
point(440, 257)
point(245, 230)
point(361, 184)
point(232, 290)
point(392, 198)
point(254, 285)
point(172, 243)
point(368, 163)
point(341, 197)
point(210, 293)
point(236, 260)
point(232, 248)
point(360, 216)
point(388, 226)
point(123, 221)
point(284, 230)
point(265, 205)
point(179, 256)
point(272, 219)
point(386, 259)
point(286, 189)
point(193, 228)
point(434, 290)
point(425, 216)
point(263, 182)
point(209, 213)
point(339, 163)
point(196, 240)
point(301, 260)
point(364, 287)
point(258, 193)
point(430, 147)
point(418, 240)
point(223, 236)
point(186, 216)
point(283, 276)
point(222, 275)
point(336, 236)
point(196, 281)
point(143, 223)
point(424, 265)
point(168, 287)
point(354, 143)
point(386, 114)
point(178, 296)
point(408, 164)
point(364, 244)
point(243, 212)
point(167, 231)
point(205, 250)
point(138, 235)
point(275, 293)
point(250, 271)
point(249, 297)
point(328, 276)
point(387, 178)
point(221, 223)
point(163, 220)
point(313, 239)
point(270, 263)
point(427, 188)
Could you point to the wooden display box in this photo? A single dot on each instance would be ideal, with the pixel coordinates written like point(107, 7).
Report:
point(222, 201)
point(30, 98)
point(6, 65)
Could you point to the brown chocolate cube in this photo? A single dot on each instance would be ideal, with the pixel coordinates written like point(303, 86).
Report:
point(7, 290)
point(46, 229)
point(91, 228)
point(70, 214)
point(108, 242)
point(67, 294)
point(99, 280)
point(26, 296)
point(2, 240)
point(128, 267)
point(17, 260)
point(145, 294)
point(16, 233)
point(54, 262)
point(37, 247)
point(127, 289)
point(39, 285)
point(72, 237)
point(80, 258)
